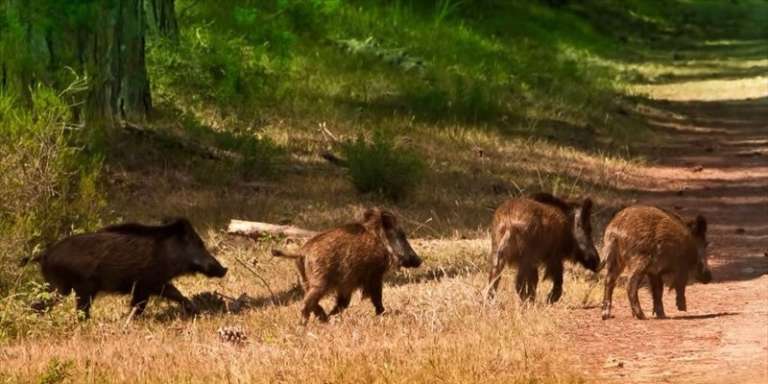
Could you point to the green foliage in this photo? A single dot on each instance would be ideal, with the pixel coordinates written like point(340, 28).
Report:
point(57, 371)
point(382, 167)
point(234, 53)
point(449, 60)
point(209, 67)
point(49, 184)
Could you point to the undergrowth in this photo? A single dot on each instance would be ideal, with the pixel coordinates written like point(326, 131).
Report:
point(381, 166)
point(50, 185)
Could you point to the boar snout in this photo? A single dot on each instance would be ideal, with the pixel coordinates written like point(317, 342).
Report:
point(209, 266)
point(413, 261)
point(408, 257)
point(593, 263)
point(704, 275)
point(215, 270)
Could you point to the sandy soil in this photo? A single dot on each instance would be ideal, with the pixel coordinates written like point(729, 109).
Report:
point(714, 162)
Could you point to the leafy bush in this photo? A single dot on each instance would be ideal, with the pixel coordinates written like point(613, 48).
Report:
point(380, 166)
point(49, 185)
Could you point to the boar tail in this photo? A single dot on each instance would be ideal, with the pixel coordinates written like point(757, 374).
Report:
point(29, 259)
point(287, 255)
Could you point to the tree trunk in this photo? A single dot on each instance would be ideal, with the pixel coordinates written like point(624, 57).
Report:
point(104, 42)
point(99, 66)
point(132, 98)
point(163, 17)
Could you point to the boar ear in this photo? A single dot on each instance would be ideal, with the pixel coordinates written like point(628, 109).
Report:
point(370, 214)
point(180, 226)
point(388, 220)
point(700, 226)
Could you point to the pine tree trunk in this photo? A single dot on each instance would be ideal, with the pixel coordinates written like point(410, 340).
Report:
point(107, 46)
point(132, 99)
point(163, 15)
point(98, 53)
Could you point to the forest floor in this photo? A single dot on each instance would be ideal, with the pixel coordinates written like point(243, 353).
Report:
point(715, 162)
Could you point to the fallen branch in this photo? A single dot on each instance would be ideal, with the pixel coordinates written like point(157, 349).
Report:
point(333, 159)
point(254, 230)
point(258, 276)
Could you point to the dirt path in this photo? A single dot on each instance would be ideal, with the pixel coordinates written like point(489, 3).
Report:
point(715, 162)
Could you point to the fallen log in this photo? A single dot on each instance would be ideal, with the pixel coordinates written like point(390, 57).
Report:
point(255, 229)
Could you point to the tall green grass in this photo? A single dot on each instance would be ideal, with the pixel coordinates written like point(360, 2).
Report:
point(481, 62)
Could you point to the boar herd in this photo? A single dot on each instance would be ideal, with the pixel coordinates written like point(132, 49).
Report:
point(527, 232)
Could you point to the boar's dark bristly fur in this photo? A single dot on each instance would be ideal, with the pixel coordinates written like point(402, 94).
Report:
point(653, 242)
point(128, 258)
point(350, 257)
point(540, 229)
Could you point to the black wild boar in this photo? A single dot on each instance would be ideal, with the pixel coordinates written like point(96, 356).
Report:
point(653, 242)
point(128, 258)
point(540, 229)
point(349, 257)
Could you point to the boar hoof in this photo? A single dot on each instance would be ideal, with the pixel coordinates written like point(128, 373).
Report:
point(190, 309)
point(38, 307)
point(639, 316)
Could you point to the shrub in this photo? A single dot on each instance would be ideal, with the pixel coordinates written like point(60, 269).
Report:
point(381, 167)
point(49, 185)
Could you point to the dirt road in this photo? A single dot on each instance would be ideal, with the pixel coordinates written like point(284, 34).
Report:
point(715, 161)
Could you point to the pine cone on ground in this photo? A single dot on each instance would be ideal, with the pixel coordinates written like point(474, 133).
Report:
point(234, 335)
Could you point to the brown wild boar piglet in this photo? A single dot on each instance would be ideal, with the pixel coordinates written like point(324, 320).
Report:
point(540, 229)
point(128, 258)
point(653, 242)
point(350, 257)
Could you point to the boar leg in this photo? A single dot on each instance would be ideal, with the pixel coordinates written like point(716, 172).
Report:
point(610, 252)
point(312, 305)
point(139, 300)
point(373, 289)
point(555, 273)
point(494, 277)
point(657, 290)
point(636, 275)
point(526, 280)
point(342, 302)
point(170, 292)
point(83, 299)
point(681, 280)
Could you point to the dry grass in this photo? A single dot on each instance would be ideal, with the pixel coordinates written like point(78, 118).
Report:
point(435, 330)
